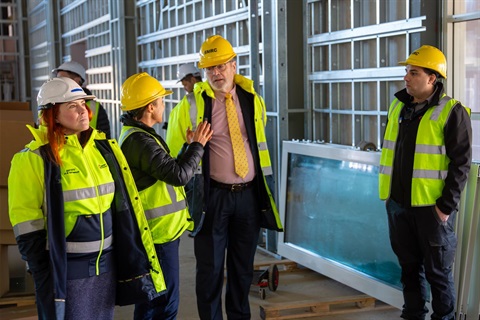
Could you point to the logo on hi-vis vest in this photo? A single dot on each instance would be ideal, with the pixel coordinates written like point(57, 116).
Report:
point(71, 171)
point(210, 51)
point(102, 166)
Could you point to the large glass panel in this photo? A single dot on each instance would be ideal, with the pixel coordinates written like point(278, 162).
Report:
point(467, 60)
point(466, 6)
point(333, 210)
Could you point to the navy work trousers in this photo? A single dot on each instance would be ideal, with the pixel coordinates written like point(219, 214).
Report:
point(164, 307)
point(231, 227)
point(425, 247)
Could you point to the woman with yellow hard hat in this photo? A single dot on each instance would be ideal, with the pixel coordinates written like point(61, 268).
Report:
point(160, 179)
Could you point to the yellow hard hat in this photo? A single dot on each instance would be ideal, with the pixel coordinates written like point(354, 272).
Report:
point(139, 90)
point(214, 51)
point(428, 57)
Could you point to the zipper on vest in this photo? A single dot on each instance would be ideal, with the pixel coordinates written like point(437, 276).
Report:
point(100, 210)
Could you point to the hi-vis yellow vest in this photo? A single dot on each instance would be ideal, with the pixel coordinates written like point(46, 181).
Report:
point(430, 164)
point(165, 205)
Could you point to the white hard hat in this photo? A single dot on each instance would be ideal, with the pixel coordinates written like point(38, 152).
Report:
point(60, 90)
point(71, 66)
point(185, 70)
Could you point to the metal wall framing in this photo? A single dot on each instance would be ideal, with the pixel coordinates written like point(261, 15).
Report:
point(13, 64)
point(352, 52)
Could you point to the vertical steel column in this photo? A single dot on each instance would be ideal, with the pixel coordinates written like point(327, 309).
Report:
point(282, 70)
point(254, 43)
point(123, 57)
point(269, 41)
point(20, 80)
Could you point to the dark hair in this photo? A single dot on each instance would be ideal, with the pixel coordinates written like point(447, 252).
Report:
point(430, 72)
point(72, 75)
point(190, 76)
point(137, 114)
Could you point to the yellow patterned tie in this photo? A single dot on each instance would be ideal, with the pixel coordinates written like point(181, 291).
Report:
point(239, 153)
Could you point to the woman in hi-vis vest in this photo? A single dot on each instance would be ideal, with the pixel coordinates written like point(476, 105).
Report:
point(76, 214)
point(160, 180)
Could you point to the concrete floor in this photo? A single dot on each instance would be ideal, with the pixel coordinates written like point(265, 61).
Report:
point(298, 285)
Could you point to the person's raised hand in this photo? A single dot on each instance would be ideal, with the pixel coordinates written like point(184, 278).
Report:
point(203, 134)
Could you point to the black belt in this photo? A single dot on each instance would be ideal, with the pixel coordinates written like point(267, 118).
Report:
point(236, 187)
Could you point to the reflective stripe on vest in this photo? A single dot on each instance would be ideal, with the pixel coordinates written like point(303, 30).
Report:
point(88, 193)
point(430, 166)
point(175, 205)
point(28, 226)
point(89, 246)
point(167, 209)
point(264, 158)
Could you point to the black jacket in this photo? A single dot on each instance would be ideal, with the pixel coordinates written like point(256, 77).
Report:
point(458, 143)
point(149, 162)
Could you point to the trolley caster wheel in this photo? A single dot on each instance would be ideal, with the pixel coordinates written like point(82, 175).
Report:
point(273, 277)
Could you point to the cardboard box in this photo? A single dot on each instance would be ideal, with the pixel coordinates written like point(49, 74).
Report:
point(4, 219)
point(14, 135)
point(6, 231)
point(4, 271)
point(25, 312)
point(14, 105)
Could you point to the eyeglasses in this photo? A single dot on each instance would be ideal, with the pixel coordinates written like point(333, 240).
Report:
point(220, 68)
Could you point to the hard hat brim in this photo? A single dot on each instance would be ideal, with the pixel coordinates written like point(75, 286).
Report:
point(50, 105)
point(215, 61)
point(142, 104)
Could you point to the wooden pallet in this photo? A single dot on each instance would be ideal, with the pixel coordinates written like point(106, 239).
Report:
point(17, 301)
point(19, 313)
point(316, 308)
